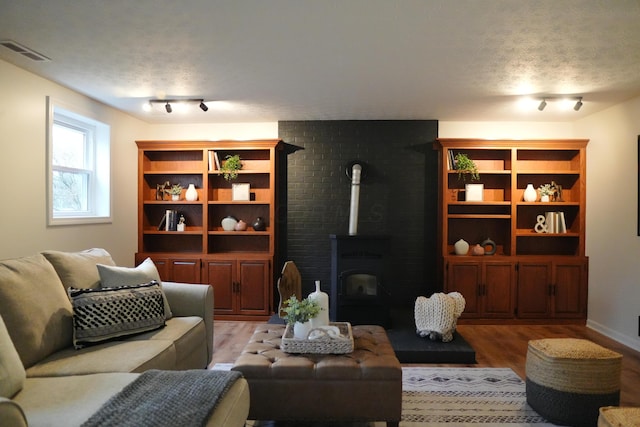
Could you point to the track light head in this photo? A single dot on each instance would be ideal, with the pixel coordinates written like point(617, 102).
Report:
point(578, 105)
point(203, 106)
point(543, 104)
point(167, 107)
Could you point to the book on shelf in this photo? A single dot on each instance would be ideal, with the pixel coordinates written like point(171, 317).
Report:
point(171, 223)
point(163, 222)
point(214, 161)
point(451, 160)
point(562, 225)
point(555, 222)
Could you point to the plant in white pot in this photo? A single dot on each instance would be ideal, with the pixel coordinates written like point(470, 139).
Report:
point(298, 313)
point(546, 191)
point(175, 191)
point(468, 168)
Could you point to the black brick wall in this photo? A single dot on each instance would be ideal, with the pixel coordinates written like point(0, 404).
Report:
point(398, 197)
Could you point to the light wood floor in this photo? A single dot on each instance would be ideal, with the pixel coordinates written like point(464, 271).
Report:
point(498, 346)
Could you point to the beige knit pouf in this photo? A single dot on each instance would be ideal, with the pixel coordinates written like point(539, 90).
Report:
point(568, 380)
point(613, 416)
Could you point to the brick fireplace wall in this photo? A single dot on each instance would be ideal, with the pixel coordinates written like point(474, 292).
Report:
point(398, 197)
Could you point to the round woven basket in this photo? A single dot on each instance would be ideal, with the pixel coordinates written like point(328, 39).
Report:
point(613, 416)
point(574, 366)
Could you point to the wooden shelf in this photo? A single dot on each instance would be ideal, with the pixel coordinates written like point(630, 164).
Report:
point(239, 263)
point(509, 285)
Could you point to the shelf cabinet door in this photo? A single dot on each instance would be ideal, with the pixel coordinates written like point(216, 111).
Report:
point(174, 269)
point(534, 289)
point(240, 287)
point(221, 275)
point(253, 290)
point(498, 289)
point(570, 289)
point(465, 277)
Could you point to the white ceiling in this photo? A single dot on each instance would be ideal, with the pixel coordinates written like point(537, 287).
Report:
point(270, 60)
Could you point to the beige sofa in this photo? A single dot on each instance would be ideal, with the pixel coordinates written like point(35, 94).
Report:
point(44, 380)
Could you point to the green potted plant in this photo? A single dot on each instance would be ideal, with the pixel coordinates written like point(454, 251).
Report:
point(298, 313)
point(546, 191)
point(175, 191)
point(230, 167)
point(465, 166)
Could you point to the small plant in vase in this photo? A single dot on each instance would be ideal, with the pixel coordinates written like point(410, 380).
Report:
point(298, 313)
point(230, 167)
point(175, 191)
point(465, 166)
point(546, 191)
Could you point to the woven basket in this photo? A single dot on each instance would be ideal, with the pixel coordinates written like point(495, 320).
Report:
point(323, 345)
point(613, 416)
point(574, 366)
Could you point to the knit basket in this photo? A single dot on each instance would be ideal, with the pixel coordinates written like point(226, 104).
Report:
point(568, 380)
point(612, 416)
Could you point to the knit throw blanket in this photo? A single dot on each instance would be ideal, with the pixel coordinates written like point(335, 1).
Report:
point(165, 399)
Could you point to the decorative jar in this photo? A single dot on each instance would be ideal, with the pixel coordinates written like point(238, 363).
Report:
point(229, 223)
point(322, 318)
point(461, 247)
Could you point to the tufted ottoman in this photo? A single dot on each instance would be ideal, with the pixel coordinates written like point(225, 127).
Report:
point(568, 380)
point(365, 385)
point(613, 416)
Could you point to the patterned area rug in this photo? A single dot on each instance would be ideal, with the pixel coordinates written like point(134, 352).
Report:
point(451, 397)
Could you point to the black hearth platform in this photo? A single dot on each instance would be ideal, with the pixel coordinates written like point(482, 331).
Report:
point(411, 348)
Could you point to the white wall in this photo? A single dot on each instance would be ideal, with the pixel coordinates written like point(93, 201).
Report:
point(613, 244)
point(23, 227)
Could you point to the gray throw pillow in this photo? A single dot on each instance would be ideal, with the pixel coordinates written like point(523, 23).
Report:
point(106, 313)
point(111, 277)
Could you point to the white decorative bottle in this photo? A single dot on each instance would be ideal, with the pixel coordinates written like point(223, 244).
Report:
point(530, 193)
point(191, 194)
point(322, 319)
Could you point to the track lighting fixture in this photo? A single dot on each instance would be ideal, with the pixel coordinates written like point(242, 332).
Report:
point(543, 104)
point(168, 107)
point(578, 104)
point(564, 102)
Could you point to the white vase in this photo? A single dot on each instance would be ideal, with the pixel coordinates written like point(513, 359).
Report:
point(461, 247)
point(301, 330)
point(191, 194)
point(322, 319)
point(530, 194)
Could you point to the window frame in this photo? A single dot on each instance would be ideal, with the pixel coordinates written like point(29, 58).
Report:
point(99, 201)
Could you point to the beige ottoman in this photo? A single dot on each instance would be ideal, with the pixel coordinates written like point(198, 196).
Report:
point(365, 385)
point(568, 380)
point(613, 416)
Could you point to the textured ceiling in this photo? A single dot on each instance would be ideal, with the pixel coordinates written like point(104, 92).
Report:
point(269, 60)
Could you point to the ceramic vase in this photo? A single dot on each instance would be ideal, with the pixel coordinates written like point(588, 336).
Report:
point(322, 319)
point(229, 223)
point(240, 226)
point(259, 224)
point(301, 330)
point(191, 194)
point(530, 194)
point(461, 247)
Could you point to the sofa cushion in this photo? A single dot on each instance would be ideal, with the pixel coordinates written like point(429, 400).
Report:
point(12, 372)
point(106, 313)
point(78, 269)
point(35, 308)
point(68, 401)
point(111, 277)
point(111, 356)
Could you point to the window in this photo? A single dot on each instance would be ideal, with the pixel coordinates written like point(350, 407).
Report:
point(79, 167)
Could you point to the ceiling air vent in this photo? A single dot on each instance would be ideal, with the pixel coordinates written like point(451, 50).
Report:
point(23, 50)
